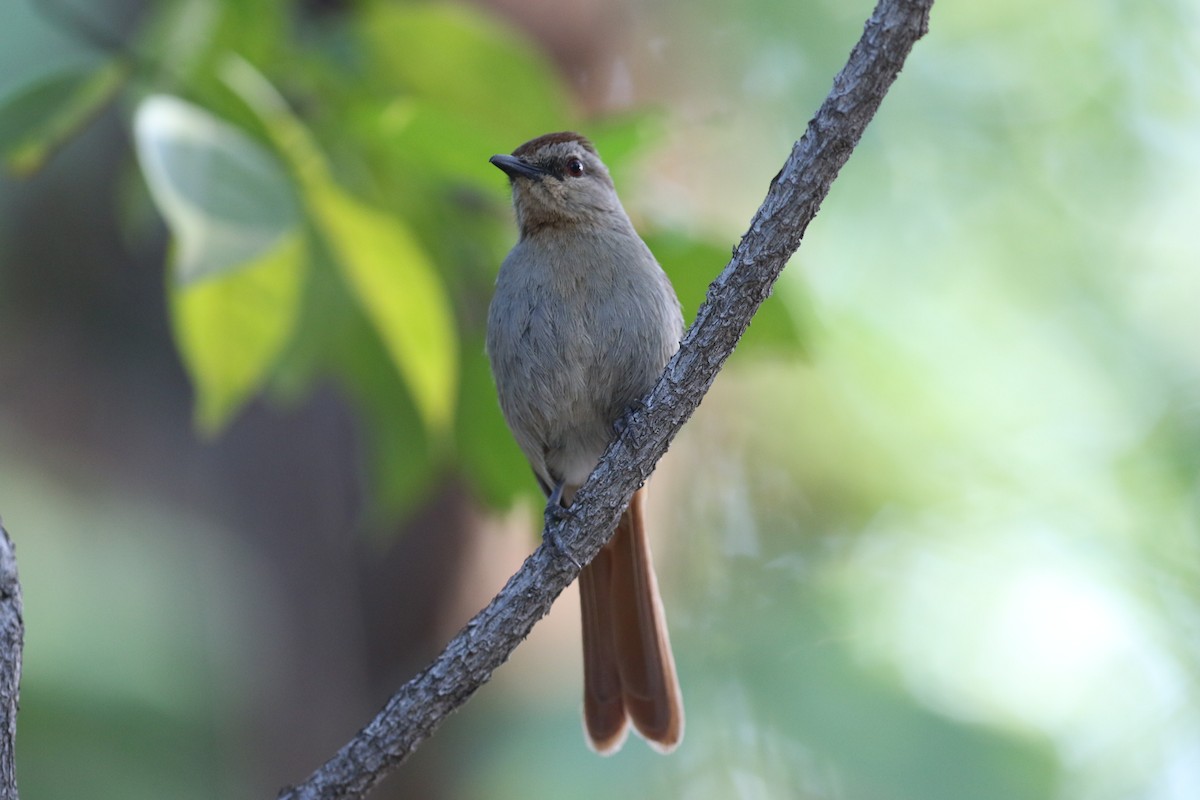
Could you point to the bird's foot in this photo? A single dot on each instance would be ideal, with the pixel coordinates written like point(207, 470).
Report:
point(557, 512)
point(551, 536)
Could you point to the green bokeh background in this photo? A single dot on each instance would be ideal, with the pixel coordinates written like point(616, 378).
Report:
point(934, 534)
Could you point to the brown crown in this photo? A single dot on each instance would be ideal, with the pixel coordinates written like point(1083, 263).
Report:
point(533, 146)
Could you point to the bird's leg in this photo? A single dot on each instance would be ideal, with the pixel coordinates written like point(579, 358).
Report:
point(556, 512)
point(554, 506)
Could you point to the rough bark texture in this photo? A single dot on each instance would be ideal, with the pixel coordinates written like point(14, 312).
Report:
point(12, 637)
point(774, 235)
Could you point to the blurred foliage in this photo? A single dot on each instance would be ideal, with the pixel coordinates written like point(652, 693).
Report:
point(938, 538)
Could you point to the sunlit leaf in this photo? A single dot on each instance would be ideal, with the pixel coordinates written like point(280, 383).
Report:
point(230, 327)
point(401, 293)
point(389, 273)
point(226, 199)
point(238, 252)
point(39, 118)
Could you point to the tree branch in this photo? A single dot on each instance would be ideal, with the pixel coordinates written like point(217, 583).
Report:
point(12, 638)
point(775, 233)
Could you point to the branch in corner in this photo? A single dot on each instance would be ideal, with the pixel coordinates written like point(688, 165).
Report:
point(12, 639)
point(775, 233)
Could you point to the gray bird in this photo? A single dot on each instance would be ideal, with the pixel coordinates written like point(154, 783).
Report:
point(579, 330)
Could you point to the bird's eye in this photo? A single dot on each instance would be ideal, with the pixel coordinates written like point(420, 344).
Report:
point(575, 168)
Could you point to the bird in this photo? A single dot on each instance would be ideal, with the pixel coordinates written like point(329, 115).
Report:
point(580, 327)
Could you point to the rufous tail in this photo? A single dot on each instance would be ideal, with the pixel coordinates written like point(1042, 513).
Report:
point(628, 669)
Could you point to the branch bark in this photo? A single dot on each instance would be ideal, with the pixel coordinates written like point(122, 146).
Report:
point(792, 201)
point(12, 638)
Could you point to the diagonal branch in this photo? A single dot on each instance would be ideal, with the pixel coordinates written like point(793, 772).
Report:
point(775, 233)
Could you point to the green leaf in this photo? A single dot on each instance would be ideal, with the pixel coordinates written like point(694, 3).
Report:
point(396, 284)
point(231, 327)
point(388, 271)
point(239, 255)
point(226, 198)
point(40, 117)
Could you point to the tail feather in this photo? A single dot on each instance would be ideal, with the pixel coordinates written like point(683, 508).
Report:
point(629, 671)
point(605, 720)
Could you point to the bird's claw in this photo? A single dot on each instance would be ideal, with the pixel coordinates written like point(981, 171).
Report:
point(557, 512)
point(552, 539)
